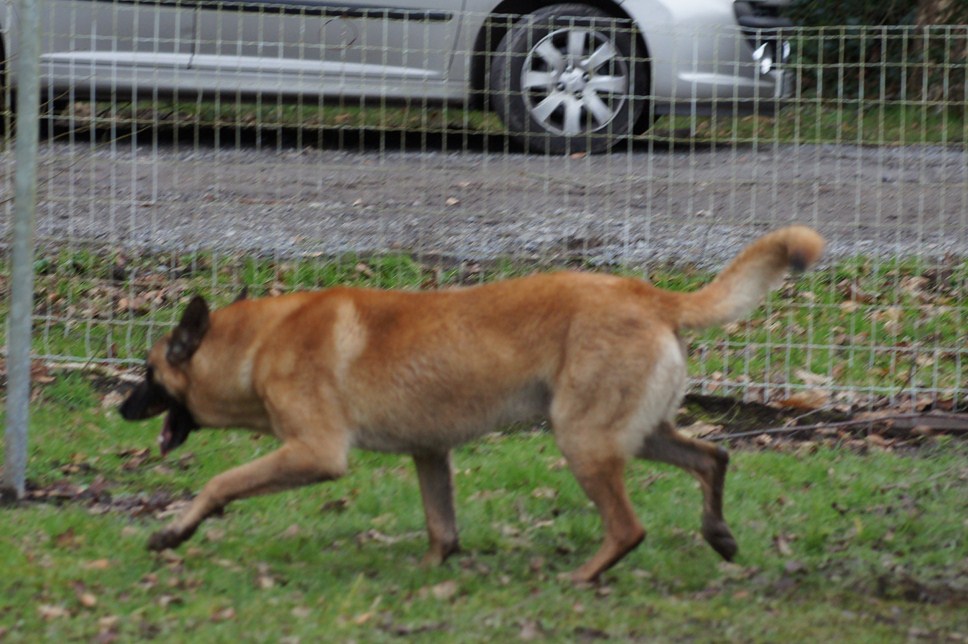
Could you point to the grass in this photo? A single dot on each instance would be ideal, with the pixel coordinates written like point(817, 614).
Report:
point(835, 545)
point(883, 327)
point(806, 121)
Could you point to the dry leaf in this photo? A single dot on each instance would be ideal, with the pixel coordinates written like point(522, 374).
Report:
point(699, 429)
point(530, 630)
point(809, 400)
point(214, 534)
point(223, 615)
point(167, 600)
point(452, 201)
point(49, 611)
point(544, 493)
point(68, 539)
point(812, 379)
point(782, 544)
point(444, 591)
point(97, 564)
point(363, 618)
point(87, 600)
point(879, 441)
point(108, 622)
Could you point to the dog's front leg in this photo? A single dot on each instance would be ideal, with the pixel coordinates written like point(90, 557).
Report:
point(292, 465)
point(437, 490)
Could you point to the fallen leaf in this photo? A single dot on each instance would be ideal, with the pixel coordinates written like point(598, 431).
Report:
point(699, 429)
point(809, 400)
point(853, 293)
point(812, 379)
point(68, 539)
point(782, 544)
point(214, 534)
point(336, 505)
point(223, 615)
point(168, 600)
point(879, 441)
point(445, 590)
point(97, 564)
point(536, 565)
point(108, 622)
point(87, 600)
point(50, 611)
point(530, 630)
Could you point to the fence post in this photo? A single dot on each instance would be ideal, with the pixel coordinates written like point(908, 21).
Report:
point(22, 257)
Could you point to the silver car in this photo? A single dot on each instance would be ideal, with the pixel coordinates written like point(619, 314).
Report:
point(563, 77)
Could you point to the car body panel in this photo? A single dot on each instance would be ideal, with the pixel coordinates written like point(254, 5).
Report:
point(298, 47)
point(102, 46)
point(701, 60)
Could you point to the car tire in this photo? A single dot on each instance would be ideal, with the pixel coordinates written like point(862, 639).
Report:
point(569, 78)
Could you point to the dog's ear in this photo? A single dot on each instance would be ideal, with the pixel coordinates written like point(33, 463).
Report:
point(189, 333)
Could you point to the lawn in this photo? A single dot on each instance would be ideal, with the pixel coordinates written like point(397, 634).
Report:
point(848, 538)
point(807, 120)
point(849, 534)
point(882, 327)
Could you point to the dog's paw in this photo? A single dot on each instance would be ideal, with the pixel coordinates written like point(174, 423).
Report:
point(164, 539)
point(721, 539)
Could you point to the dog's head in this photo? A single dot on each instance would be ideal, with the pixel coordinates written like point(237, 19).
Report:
point(166, 382)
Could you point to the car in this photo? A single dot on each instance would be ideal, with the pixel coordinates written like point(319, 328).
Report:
point(564, 77)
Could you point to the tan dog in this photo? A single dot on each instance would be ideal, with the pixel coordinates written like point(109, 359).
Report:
point(422, 372)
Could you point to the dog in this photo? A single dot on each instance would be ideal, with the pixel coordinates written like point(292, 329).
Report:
point(419, 373)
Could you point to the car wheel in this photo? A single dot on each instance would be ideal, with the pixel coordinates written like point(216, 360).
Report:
point(567, 78)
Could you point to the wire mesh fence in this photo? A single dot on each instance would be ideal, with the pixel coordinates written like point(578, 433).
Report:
point(203, 147)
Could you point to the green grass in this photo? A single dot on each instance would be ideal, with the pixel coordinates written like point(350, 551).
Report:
point(809, 120)
point(875, 326)
point(835, 545)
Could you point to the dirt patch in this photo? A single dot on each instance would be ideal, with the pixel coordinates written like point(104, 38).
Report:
point(879, 424)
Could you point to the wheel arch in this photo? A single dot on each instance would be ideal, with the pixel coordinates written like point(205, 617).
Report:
point(493, 30)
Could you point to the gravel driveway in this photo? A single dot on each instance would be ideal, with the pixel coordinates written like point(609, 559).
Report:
point(682, 205)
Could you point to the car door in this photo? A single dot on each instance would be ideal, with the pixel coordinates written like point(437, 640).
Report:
point(388, 48)
point(105, 48)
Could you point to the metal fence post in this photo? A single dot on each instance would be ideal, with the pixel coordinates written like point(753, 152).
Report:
point(22, 270)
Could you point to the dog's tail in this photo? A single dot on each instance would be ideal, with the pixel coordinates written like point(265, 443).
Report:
point(742, 285)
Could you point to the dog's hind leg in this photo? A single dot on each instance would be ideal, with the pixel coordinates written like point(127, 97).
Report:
point(602, 477)
point(708, 463)
point(437, 490)
point(292, 465)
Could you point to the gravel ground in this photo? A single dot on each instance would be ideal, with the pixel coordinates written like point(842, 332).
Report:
point(693, 205)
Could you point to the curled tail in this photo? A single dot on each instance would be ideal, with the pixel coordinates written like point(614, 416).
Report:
point(742, 285)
